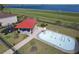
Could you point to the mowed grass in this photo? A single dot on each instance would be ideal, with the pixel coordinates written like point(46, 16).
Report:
point(62, 16)
point(3, 48)
point(14, 38)
point(42, 48)
point(63, 30)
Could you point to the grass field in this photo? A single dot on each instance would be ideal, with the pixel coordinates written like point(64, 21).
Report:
point(41, 48)
point(3, 48)
point(14, 38)
point(62, 16)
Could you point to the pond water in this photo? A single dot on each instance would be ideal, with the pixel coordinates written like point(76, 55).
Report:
point(58, 7)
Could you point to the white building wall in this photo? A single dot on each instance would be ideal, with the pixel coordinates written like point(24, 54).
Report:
point(8, 20)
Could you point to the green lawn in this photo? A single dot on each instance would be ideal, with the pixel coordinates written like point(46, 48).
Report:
point(14, 38)
point(62, 16)
point(3, 48)
point(42, 48)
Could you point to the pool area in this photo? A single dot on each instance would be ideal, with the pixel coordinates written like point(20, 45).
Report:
point(63, 42)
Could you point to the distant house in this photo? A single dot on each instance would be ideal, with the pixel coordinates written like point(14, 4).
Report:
point(7, 19)
point(27, 25)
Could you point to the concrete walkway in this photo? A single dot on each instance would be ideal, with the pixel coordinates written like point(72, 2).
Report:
point(25, 41)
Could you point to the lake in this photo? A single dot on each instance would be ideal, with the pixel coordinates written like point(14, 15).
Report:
point(66, 8)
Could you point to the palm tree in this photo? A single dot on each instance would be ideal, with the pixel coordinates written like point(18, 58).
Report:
point(44, 25)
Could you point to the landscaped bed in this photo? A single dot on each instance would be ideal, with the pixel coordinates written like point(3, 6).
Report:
point(36, 46)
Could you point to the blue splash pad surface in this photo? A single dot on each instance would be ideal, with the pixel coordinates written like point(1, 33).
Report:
point(60, 40)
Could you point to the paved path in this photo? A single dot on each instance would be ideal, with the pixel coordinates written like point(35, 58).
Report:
point(25, 41)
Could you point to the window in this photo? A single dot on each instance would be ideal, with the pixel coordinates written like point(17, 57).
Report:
point(25, 29)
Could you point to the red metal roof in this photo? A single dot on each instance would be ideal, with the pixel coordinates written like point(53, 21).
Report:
point(28, 23)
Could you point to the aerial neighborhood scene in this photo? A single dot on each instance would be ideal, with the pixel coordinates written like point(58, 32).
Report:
point(39, 29)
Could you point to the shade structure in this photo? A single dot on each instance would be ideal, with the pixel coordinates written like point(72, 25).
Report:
point(27, 23)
